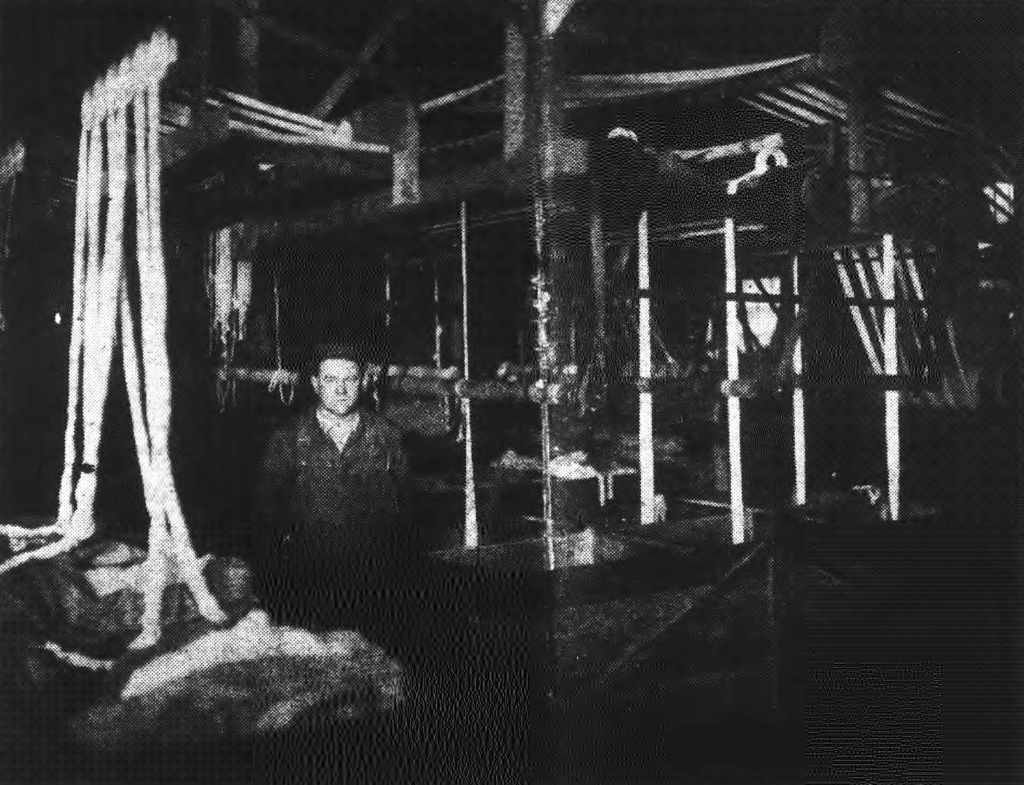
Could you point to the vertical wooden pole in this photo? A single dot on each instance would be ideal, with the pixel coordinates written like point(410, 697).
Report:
point(544, 128)
point(646, 435)
point(732, 348)
point(249, 50)
point(857, 162)
point(598, 272)
point(892, 397)
point(406, 157)
point(515, 82)
point(472, 533)
point(438, 328)
point(799, 433)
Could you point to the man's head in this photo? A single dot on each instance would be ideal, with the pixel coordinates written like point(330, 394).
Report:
point(337, 378)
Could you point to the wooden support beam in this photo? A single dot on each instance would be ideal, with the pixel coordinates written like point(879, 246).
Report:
point(842, 44)
point(599, 282)
point(405, 181)
point(501, 177)
point(362, 59)
point(284, 32)
point(247, 78)
point(515, 86)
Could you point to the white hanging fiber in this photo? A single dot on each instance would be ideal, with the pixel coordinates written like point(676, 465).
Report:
point(281, 379)
point(100, 297)
point(223, 289)
point(242, 296)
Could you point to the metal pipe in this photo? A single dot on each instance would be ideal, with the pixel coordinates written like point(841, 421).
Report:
point(892, 397)
point(799, 426)
point(472, 532)
point(732, 338)
point(646, 424)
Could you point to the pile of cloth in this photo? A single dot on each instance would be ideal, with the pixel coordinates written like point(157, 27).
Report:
point(66, 625)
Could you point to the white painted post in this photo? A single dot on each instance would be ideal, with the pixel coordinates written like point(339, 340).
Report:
point(732, 344)
point(472, 533)
point(799, 433)
point(892, 397)
point(646, 435)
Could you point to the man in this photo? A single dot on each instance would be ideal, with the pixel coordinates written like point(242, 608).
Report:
point(330, 500)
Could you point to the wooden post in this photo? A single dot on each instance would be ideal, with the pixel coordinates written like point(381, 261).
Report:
point(799, 433)
point(857, 161)
point(892, 397)
point(515, 86)
point(406, 156)
point(544, 128)
point(598, 271)
point(248, 46)
point(842, 47)
point(646, 435)
point(732, 348)
point(472, 533)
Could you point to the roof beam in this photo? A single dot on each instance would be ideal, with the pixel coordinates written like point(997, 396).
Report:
point(284, 32)
point(498, 176)
point(361, 61)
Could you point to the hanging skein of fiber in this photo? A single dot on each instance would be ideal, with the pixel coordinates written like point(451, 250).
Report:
point(100, 296)
point(170, 547)
point(241, 296)
point(223, 291)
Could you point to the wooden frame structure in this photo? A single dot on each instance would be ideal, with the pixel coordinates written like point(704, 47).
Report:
point(537, 161)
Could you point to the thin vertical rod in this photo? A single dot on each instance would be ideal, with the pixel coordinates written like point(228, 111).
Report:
point(799, 433)
point(438, 329)
point(472, 533)
point(732, 345)
point(892, 397)
point(387, 294)
point(646, 435)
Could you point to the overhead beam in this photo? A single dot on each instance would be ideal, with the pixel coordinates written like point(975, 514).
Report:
point(373, 44)
point(503, 177)
point(292, 35)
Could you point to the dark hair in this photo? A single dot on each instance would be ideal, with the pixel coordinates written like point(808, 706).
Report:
point(336, 351)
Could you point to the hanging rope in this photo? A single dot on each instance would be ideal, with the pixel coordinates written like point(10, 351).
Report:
point(281, 379)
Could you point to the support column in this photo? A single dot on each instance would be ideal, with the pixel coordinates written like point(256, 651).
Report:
point(553, 216)
point(842, 47)
point(248, 49)
point(799, 426)
point(646, 404)
point(595, 393)
point(406, 157)
point(515, 86)
point(732, 348)
point(892, 397)
point(859, 186)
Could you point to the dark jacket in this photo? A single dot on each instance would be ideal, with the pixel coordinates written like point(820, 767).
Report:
point(317, 506)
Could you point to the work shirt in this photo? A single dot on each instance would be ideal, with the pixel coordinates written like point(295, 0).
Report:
point(320, 506)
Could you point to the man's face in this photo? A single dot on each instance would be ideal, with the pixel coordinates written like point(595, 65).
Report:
point(337, 385)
